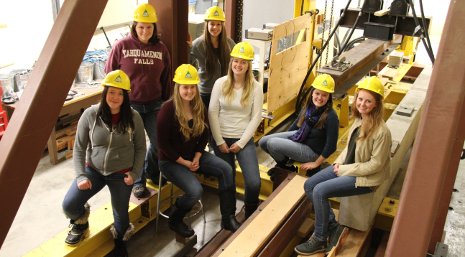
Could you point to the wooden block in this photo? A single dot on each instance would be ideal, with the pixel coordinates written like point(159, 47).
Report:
point(69, 154)
point(61, 143)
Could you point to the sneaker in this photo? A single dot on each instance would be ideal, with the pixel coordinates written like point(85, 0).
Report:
point(140, 191)
point(312, 246)
point(334, 233)
point(77, 233)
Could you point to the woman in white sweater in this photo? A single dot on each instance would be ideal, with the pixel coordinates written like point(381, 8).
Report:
point(234, 114)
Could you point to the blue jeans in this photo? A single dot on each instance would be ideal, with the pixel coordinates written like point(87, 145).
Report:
point(149, 113)
point(324, 185)
point(183, 178)
point(73, 204)
point(280, 147)
point(247, 158)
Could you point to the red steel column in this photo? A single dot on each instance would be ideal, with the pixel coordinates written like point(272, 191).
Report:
point(172, 24)
point(23, 143)
point(434, 158)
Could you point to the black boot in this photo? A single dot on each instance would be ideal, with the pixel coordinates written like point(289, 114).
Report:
point(79, 228)
point(120, 249)
point(250, 209)
point(228, 210)
point(176, 222)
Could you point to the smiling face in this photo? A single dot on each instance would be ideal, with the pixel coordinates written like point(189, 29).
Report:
point(214, 28)
point(144, 31)
point(187, 92)
point(365, 102)
point(320, 97)
point(114, 99)
point(239, 66)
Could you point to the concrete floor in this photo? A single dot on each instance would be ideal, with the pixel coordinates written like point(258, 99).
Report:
point(40, 217)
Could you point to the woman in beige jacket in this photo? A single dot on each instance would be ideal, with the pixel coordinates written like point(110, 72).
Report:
point(361, 167)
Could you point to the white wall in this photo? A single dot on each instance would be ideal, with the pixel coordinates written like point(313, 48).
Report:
point(259, 12)
point(29, 22)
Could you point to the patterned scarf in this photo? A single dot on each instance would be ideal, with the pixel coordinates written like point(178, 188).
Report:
point(312, 115)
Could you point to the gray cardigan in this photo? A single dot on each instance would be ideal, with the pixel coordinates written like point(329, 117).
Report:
point(198, 59)
point(106, 151)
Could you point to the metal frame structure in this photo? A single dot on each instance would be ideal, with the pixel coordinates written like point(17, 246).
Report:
point(431, 173)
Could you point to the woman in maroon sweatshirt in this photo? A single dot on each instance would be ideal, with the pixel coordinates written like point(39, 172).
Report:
point(147, 62)
point(182, 135)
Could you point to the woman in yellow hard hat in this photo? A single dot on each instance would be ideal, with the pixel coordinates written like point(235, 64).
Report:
point(109, 150)
point(183, 133)
point(147, 62)
point(210, 52)
point(313, 136)
point(362, 166)
point(234, 114)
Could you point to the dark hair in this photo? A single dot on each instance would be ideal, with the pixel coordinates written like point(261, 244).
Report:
point(155, 37)
point(210, 56)
point(125, 123)
point(309, 103)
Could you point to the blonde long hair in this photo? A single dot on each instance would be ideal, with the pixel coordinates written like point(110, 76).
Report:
point(198, 113)
point(375, 118)
point(228, 89)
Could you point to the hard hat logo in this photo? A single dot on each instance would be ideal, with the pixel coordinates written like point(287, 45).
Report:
point(186, 74)
point(118, 79)
point(145, 14)
point(241, 50)
point(216, 13)
point(324, 82)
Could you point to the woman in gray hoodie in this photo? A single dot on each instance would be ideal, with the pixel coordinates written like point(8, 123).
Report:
point(109, 150)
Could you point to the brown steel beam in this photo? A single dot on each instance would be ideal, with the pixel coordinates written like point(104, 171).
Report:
point(173, 27)
point(30, 126)
point(233, 12)
point(449, 180)
point(435, 154)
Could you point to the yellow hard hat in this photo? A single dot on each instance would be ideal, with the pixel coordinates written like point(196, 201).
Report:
point(186, 74)
point(373, 84)
point(243, 50)
point(324, 82)
point(117, 78)
point(145, 13)
point(214, 13)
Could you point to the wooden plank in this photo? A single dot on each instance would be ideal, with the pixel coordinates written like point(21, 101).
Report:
point(249, 242)
point(288, 67)
point(354, 244)
point(288, 230)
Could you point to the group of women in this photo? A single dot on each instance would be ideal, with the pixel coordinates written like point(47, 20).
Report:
point(219, 102)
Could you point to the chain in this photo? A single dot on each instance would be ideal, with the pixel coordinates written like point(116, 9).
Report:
point(330, 26)
point(323, 33)
point(239, 13)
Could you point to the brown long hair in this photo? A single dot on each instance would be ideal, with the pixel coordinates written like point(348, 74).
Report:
point(371, 123)
point(198, 113)
point(155, 37)
point(228, 89)
point(126, 122)
point(211, 63)
point(309, 103)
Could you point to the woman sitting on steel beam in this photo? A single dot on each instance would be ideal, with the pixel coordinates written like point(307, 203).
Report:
point(182, 136)
point(361, 167)
point(313, 136)
point(234, 114)
point(109, 150)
